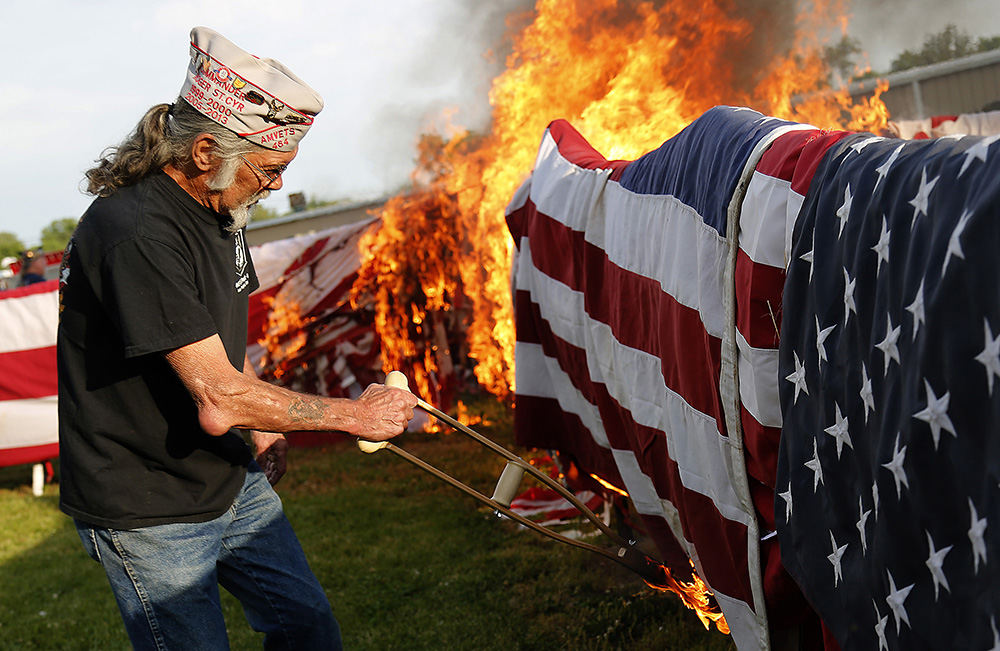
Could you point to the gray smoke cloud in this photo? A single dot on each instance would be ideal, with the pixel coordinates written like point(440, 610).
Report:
point(447, 82)
point(887, 27)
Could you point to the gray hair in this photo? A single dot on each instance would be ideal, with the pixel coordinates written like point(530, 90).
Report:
point(165, 134)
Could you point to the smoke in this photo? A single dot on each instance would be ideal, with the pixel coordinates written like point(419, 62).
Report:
point(887, 27)
point(445, 84)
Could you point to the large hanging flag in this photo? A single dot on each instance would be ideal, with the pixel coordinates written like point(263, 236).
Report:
point(647, 312)
point(651, 301)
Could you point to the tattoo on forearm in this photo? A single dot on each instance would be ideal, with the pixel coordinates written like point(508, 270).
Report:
point(306, 410)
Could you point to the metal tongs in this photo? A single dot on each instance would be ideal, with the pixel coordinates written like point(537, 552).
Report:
point(506, 489)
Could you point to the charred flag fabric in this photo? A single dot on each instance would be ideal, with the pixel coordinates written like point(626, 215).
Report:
point(888, 505)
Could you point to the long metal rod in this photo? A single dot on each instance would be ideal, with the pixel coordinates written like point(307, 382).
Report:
point(626, 555)
point(530, 469)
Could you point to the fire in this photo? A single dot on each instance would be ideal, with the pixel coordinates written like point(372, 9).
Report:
point(628, 74)
point(285, 335)
point(608, 485)
point(696, 596)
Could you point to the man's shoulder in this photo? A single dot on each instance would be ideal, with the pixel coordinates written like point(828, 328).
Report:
point(143, 210)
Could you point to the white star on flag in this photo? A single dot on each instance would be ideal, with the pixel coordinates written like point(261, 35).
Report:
point(895, 600)
point(849, 304)
point(867, 395)
point(888, 345)
point(916, 308)
point(862, 521)
point(817, 468)
point(787, 496)
point(977, 529)
point(990, 357)
point(883, 169)
point(839, 431)
point(935, 563)
point(955, 241)
point(798, 378)
point(844, 212)
point(875, 498)
point(860, 145)
point(935, 413)
point(921, 200)
point(821, 336)
point(979, 151)
point(895, 466)
point(808, 257)
point(880, 623)
point(834, 558)
point(881, 248)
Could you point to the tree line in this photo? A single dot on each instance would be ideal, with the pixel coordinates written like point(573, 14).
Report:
point(950, 43)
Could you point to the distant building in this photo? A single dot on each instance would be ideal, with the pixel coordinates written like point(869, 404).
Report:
point(970, 84)
point(305, 222)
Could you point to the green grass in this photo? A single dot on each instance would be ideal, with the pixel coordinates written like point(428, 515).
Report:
point(407, 561)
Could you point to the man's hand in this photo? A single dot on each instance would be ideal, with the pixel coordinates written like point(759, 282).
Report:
point(384, 412)
point(270, 449)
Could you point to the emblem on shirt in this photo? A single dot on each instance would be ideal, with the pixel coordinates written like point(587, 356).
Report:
point(240, 253)
point(241, 258)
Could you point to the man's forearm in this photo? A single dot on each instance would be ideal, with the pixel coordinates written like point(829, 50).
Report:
point(227, 398)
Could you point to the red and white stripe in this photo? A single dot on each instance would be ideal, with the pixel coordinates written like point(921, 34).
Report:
point(29, 419)
point(637, 323)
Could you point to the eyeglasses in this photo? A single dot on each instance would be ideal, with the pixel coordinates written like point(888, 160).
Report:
point(271, 176)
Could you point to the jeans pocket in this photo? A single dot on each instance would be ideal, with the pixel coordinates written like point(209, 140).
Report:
point(89, 539)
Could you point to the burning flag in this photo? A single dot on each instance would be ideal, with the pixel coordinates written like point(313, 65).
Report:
point(628, 75)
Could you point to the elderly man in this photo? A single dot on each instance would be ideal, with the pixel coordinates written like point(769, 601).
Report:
point(154, 386)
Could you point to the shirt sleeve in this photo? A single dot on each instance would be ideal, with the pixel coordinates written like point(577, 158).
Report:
point(150, 292)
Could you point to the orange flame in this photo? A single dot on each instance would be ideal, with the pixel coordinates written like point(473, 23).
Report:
point(608, 485)
point(696, 596)
point(285, 335)
point(628, 74)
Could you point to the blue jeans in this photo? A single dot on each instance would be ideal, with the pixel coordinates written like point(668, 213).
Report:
point(166, 578)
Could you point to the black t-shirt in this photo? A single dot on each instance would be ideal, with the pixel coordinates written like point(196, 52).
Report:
point(148, 270)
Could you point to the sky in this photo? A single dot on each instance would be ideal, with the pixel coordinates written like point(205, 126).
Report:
point(80, 75)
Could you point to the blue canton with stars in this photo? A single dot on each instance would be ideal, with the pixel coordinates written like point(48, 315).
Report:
point(888, 486)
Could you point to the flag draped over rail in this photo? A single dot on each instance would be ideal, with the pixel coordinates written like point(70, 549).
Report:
point(651, 302)
point(628, 293)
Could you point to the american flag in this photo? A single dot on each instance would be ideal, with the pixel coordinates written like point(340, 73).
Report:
point(647, 306)
point(29, 430)
point(888, 500)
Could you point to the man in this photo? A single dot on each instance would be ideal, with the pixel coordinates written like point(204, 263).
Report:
point(32, 268)
point(154, 383)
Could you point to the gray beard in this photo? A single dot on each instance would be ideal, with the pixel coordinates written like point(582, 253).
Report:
point(240, 215)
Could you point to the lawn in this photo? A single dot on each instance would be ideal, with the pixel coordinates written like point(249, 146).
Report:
point(407, 561)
